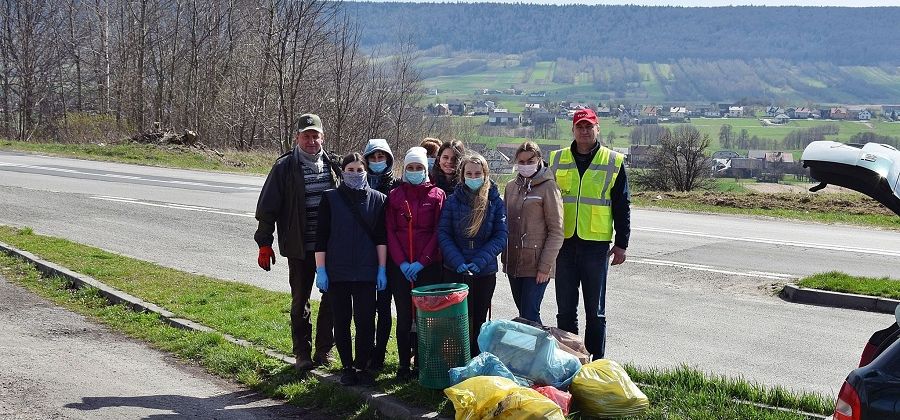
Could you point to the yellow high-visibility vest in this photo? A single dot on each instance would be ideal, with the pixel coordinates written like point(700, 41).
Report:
point(587, 200)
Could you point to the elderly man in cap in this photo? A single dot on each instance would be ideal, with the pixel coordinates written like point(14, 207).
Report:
point(595, 196)
point(289, 201)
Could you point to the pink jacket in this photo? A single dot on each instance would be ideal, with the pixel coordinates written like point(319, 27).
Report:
point(416, 209)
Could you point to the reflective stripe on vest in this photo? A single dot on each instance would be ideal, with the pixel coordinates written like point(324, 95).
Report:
point(587, 200)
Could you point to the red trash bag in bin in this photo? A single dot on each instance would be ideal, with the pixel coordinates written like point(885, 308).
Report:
point(436, 303)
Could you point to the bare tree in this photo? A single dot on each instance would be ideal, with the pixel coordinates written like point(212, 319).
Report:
point(680, 162)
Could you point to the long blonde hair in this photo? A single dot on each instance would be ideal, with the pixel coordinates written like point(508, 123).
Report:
point(480, 201)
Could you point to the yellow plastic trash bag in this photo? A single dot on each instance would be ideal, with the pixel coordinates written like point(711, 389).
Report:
point(603, 389)
point(494, 397)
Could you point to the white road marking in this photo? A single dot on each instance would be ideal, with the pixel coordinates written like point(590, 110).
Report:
point(700, 267)
point(171, 206)
point(798, 244)
point(128, 177)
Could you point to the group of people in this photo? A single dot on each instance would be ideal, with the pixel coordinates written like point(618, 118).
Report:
point(365, 232)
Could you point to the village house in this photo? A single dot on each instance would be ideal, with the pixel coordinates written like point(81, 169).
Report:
point(483, 107)
point(678, 112)
point(802, 113)
point(640, 156)
point(457, 106)
point(502, 116)
point(440, 110)
point(890, 111)
point(649, 111)
point(781, 119)
point(736, 112)
point(840, 113)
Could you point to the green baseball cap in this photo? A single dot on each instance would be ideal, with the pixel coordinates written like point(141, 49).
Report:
point(310, 122)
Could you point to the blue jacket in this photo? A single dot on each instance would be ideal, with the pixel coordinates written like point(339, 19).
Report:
point(484, 248)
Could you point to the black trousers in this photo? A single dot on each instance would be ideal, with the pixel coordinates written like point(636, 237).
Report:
point(401, 289)
point(353, 300)
point(302, 277)
point(383, 318)
point(481, 291)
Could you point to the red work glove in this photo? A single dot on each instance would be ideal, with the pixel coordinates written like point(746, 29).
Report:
point(265, 255)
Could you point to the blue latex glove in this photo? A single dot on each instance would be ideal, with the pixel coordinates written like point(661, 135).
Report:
point(404, 267)
point(321, 279)
point(473, 268)
point(381, 279)
point(462, 268)
point(414, 270)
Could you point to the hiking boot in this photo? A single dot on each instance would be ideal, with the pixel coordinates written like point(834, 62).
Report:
point(303, 363)
point(322, 359)
point(404, 374)
point(349, 377)
point(365, 378)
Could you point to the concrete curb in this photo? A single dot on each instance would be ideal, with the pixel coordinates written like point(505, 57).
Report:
point(385, 404)
point(794, 293)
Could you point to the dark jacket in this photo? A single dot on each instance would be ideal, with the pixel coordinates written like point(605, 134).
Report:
point(438, 178)
point(418, 206)
point(282, 204)
point(350, 249)
point(487, 244)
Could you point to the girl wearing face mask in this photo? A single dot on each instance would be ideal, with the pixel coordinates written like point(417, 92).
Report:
point(471, 234)
point(534, 212)
point(413, 213)
point(351, 251)
point(445, 174)
point(379, 166)
point(431, 145)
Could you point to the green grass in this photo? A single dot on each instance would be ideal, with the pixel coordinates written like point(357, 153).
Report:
point(210, 350)
point(150, 155)
point(836, 281)
point(262, 316)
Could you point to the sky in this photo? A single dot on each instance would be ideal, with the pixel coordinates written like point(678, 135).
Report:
point(701, 3)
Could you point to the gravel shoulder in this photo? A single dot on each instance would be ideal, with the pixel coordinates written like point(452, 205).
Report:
point(56, 364)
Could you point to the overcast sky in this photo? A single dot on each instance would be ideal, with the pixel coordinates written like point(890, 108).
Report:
point(703, 3)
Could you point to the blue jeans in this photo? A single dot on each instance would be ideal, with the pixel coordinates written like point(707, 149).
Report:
point(528, 294)
point(583, 263)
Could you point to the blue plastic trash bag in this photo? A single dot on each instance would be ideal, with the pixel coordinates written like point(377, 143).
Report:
point(529, 352)
point(485, 364)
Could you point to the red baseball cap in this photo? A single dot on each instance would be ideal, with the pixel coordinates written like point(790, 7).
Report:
point(584, 115)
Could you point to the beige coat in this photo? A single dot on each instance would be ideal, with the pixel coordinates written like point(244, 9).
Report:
point(534, 214)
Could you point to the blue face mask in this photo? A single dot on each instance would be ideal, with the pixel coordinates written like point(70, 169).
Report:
point(474, 183)
point(378, 167)
point(355, 180)
point(415, 177)
point(431, 162)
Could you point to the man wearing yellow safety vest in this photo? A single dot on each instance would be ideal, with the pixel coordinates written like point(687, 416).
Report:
point(595, 196)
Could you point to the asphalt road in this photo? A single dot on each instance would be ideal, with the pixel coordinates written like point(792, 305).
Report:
point(56, 364)
point(697, 288)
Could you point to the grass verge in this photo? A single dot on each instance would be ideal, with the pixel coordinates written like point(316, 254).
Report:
point(836, 281)
point(262, 317)
point(246, 366)
point(151, 155)
point(824, 208)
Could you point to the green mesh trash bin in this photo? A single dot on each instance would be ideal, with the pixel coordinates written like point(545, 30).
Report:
point(442, 322)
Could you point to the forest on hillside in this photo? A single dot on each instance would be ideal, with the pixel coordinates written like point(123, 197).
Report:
point(842, 36)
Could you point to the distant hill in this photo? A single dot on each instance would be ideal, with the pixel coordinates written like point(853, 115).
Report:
point(757, 54)
point(843, 36)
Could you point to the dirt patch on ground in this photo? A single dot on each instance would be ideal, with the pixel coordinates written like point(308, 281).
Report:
point(770, 188)
point(836, 202)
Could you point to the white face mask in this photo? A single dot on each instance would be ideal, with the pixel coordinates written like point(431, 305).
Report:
point(527, 170)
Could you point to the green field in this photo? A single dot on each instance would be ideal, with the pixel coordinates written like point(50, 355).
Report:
point(658, 81)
